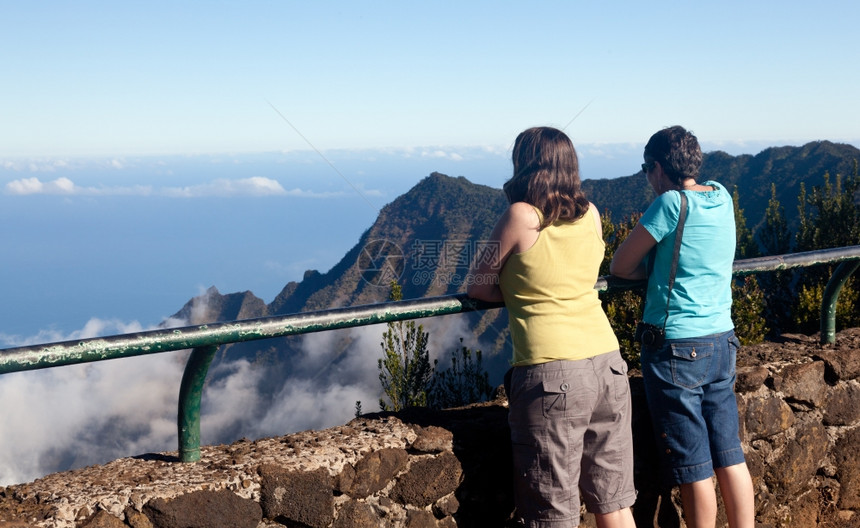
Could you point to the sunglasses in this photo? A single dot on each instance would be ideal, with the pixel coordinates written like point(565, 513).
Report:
point(648, 166)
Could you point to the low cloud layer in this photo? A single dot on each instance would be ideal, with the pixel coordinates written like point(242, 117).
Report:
point(255, 186)
point(69, 417)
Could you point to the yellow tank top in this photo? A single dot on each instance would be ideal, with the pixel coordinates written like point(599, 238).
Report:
point(553, 309)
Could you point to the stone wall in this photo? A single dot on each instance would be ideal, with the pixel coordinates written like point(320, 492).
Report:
point(800, 411)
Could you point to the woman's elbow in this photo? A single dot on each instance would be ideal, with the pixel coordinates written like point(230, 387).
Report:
point(484, 292)
point(620, 270)
point(614, 269)
point(480, 292)
point(473, 291)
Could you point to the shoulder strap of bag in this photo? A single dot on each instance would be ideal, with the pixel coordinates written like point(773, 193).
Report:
point(679, 232)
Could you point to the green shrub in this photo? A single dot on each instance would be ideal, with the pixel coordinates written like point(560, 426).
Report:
point(404, 370)
point(748, 305)
point(807, 313)
point(464, 382)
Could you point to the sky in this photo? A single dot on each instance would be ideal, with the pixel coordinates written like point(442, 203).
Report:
point(150, 150)
point(100, 78)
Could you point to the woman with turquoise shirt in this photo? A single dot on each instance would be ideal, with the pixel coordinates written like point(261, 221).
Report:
point(688, 342)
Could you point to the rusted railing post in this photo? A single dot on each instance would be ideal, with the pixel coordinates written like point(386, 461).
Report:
point(831, 295)
point(190, 395)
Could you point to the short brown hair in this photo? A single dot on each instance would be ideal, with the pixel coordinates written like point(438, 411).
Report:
point(678, 152)
point(546, 175)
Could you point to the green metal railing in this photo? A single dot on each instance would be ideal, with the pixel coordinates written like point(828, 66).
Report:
point(204, 340)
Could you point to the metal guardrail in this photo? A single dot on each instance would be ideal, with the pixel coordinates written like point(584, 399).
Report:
point(205, 339)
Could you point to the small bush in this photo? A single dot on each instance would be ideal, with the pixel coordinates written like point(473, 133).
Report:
point(748, 305)
point(464, 382)
point(807, 313)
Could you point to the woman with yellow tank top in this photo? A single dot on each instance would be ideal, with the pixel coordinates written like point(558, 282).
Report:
point(568, 392)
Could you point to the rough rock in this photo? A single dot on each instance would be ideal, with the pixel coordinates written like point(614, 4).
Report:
point(428, 480)
point(355, 514)
point(420, 519)
point(433, 440)
point(793, 467)
point(842, 406)
point(446, 506)
point(803, 383)
point(137, 519)
point(766, 416)
point(846, 457)
point(103, 519)
point(304, 497)
point(750, 379)
point(842, 362)
point(204, 509)
point(374, 472)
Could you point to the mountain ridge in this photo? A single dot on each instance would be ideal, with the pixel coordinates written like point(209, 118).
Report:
point(786, 166)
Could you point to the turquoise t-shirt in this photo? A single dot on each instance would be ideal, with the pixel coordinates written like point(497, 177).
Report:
point(701, 297)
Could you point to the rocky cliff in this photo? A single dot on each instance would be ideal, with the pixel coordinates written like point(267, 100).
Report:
point(800, 421)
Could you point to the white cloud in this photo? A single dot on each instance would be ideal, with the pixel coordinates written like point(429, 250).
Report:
point(255, 186)
point(80, 404)
point(55, 164)
point(65, 186)
point(36, 186)
point(102, 410)
point(442, 154)
point(93, 328)
point(25, 186)
point(126, 407)
point(313, 194)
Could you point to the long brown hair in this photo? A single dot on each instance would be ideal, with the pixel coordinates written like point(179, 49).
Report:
point(546, 175)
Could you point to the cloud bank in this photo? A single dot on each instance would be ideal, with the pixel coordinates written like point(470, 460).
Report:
point(69, 417)
point(222, 187)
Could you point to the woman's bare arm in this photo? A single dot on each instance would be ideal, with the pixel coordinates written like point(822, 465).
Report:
point(629, 259)
point(516, 231)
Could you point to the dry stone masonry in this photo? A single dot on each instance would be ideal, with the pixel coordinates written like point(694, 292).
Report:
point(800, 420)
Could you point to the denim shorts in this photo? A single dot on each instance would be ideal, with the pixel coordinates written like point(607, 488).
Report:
point(689, 384)
point(570, 434)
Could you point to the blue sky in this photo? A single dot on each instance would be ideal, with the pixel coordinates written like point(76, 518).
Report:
point(106, 78)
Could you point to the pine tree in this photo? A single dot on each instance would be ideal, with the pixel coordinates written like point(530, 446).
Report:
point(746, 246)
point(774, 237)
point(829, 214)
point(829, 217)
point(404, 370)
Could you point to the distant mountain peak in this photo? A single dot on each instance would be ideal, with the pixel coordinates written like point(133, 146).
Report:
point(437, 209)
point(211, 306)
